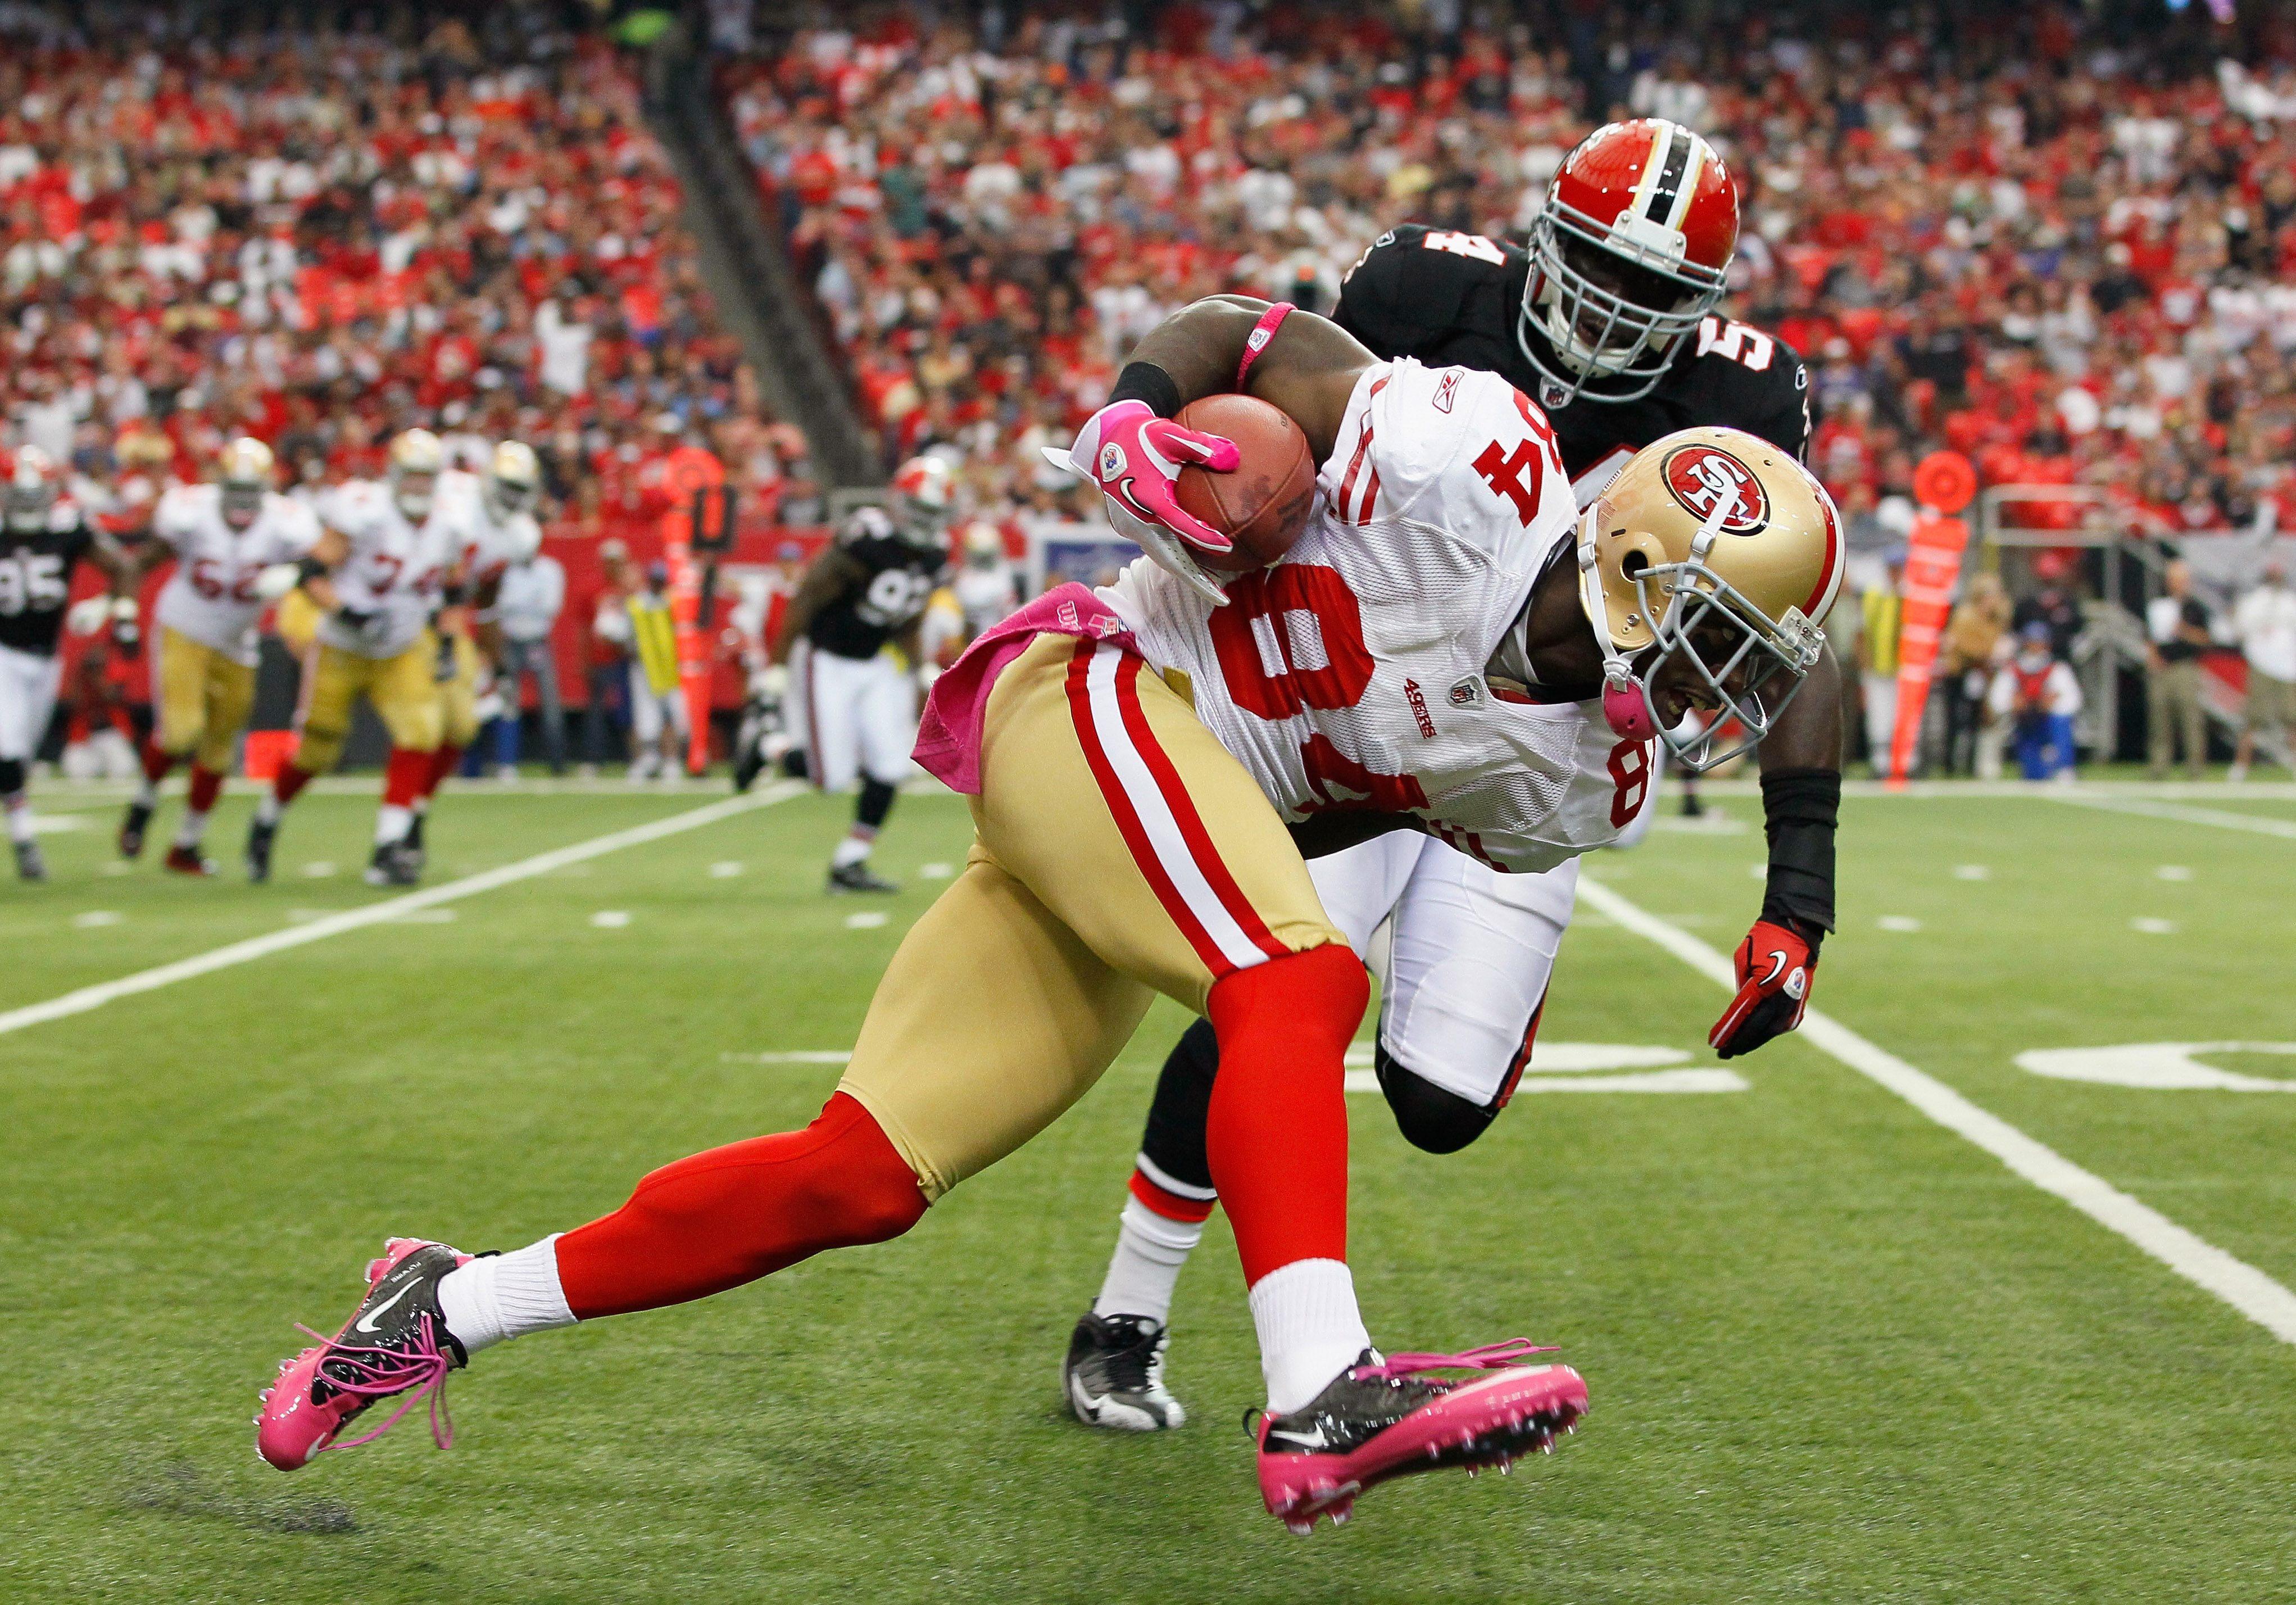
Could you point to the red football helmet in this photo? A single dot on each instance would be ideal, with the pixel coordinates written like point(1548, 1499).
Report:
point(1629, 251)
point(924, 496)
point(33, 486)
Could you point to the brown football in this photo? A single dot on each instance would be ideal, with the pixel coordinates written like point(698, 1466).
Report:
point(1263, 504)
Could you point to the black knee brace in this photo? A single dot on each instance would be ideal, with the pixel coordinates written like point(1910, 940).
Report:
point(1174, 1140)
point(1430, 1118)
point(876, 802)
point(12, 776)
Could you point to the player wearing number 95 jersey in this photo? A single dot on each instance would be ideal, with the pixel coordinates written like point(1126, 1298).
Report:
point(1607, 319)
point(847, 650)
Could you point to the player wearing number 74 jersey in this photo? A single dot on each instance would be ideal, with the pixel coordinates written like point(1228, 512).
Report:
point(1132, 758)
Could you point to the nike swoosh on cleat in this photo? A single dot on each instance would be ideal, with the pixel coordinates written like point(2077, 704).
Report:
point(1316, 1441)
point(366, 1322)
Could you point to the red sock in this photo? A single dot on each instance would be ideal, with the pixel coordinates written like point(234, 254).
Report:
point(156, 763)
point(1277, 1136)
point(287, 782)
point(404, 776)
point(206, 785)
point(442, 765)
point(730, 1215)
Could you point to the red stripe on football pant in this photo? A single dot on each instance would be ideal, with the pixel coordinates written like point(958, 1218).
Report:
point(1522, 1058)
point(1127, 817)
point(1171, 1205)
point(1213, 868)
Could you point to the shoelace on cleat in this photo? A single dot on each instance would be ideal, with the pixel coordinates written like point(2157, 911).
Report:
point(1491, 1356)
point(420, 1375)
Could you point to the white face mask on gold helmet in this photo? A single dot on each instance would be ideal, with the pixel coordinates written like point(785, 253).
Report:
point(244, 480)
point(416, 462)
point(1715, 550)
point(513, 480)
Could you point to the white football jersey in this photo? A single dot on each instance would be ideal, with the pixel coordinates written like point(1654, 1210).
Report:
point(485, 545)
point(395, 570)
point(1351, 674)
point(211, 597)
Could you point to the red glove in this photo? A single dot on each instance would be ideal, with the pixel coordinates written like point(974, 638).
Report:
point(1776, 964)
point(1136, 458)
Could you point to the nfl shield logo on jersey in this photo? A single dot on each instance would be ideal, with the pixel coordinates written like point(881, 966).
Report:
point(1554, 396)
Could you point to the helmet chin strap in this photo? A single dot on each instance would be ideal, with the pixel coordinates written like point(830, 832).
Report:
point(1625, 699)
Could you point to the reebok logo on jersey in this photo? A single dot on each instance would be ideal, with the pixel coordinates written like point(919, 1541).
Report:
point(1447, 392)
point(1419, 714)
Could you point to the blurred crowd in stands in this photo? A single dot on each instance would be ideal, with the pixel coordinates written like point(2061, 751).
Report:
point(323, 238)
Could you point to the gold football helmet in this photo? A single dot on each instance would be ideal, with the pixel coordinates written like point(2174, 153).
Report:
point(244, 473)
point(416, 462)
point(1715, 550)
point(512, 483)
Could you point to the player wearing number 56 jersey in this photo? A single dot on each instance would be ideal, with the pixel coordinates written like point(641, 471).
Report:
point(236, 543)
point(850, 639)
point(1607, 318)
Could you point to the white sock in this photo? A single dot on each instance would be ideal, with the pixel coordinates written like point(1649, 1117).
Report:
point(1309, 1329)
point(852, 850)
point(20, 817)
point(147, 796)
point(193, 830)
point(267, 809)
point(505, 1295)
point(391, 822)
point(1149, 1250)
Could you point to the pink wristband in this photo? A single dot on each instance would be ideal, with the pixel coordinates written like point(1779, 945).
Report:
point(1257, 340)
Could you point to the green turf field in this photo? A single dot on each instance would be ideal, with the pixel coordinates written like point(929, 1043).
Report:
point(1837, 1353)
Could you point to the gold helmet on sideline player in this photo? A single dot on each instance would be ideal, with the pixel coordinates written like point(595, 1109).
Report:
point(1707, 564)
point(416, 462)
point(243, 470)
point(512, 481)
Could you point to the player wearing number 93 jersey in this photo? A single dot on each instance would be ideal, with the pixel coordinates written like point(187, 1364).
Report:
point(855, 702)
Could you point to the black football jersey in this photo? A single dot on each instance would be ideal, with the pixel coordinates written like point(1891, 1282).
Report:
point(874, 611)
point(35, 579)
point(1453, 301)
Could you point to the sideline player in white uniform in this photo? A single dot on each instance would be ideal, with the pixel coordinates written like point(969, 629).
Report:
point(986, 585)
point(44, 539)
point(492, 512)
point(239, 545)
point(1131, 840)
point(388, 547)
point(850, 639)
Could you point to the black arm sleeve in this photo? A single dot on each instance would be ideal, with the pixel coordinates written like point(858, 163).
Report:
point(1801, 808)
point(1145, 381)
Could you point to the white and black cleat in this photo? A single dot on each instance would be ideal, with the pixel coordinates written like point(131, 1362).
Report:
point(31, 864)
point(1114, 1374)
point(391, 865)
point(859, 877)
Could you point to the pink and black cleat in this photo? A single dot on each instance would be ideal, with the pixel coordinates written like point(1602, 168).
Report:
point(1384, 1418)
point(396, 1341)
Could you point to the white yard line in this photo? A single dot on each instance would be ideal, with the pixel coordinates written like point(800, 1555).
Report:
point(2243, 1286)
point(387, 911)
point(2261, 823)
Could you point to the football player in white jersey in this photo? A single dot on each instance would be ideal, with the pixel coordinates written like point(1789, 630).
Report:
point(492, 512)
point(238, 545)
point(1132, 758)
point(393, 546)
point(1468, 953)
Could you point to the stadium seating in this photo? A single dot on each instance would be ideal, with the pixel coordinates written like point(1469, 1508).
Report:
point(2077, 272)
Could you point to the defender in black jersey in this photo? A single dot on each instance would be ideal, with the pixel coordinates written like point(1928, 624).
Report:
point(855, 702)
point(1606, 319)
point(44, 540)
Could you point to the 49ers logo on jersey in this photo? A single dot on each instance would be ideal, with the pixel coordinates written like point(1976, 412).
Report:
point(1703, 477)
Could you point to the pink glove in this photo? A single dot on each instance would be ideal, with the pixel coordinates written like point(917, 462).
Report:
point(1136, 458)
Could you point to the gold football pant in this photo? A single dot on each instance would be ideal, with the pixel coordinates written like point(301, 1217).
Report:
point(204, 698)
point(1119, 851)
point(400, 689)
point(458, 697)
